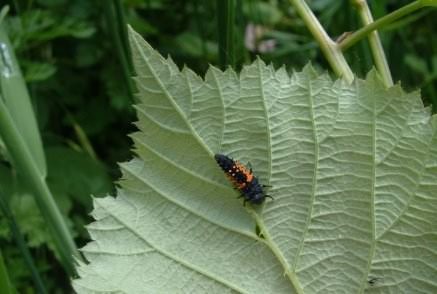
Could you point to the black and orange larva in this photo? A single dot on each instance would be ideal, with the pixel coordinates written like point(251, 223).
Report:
point(243, 179)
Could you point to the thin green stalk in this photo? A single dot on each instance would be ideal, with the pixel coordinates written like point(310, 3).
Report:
point(117, 35)
point(81, 136)
point(18, 102)
point(329, 48)
point(383, 21)
point(375, 44)
point(84, 141)
point(22, 246)
point(25, 164)
point(225, 24)
point(122, 26)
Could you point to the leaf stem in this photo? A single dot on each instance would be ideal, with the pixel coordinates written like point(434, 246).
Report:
point(383, 21)
point(375, 43)
point(329, 48)
point(268, 241)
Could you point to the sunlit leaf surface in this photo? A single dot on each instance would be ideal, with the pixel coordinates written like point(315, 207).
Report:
point(353, 170)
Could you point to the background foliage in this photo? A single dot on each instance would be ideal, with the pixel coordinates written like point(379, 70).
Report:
point(70, 56)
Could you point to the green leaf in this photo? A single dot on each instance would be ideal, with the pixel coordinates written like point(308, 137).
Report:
point(31, 221)
point(262, 13)
point(76, 174)
point(353, 170)
point(17, 101)
point(38, 71)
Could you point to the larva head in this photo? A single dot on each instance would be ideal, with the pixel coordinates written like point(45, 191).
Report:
point(224, 162)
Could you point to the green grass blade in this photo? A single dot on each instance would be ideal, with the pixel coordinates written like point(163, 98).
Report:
point(122, 27)
point(225, 23)
point(116, 27)
point(17, 101)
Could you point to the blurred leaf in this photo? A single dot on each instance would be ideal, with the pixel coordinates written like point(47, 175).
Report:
point(38, 26)
point(328, 9)
point(81, 30)
point(18, 271)
point(417, 64)
point(52, 3)
point(76, 174)
point(266, 13)
point(87, 54)
point(142, 25)
point(17, 101)
point(30, 221)
point(191, 45)
point(37, 71)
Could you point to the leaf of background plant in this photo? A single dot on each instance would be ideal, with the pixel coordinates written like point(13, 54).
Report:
point(76, 174)
point(28, 216)
point(262, 12)
point(353, 170)
point(31, 221)
point(37, 71)
point(17, 101)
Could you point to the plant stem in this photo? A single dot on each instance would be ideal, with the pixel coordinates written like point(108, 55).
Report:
point(122, 25)
point(115, 21)
point(383, 21)
point(25, 164)
point(329, 48)
point(375, 44)
point(19, 239)
point(225, 24)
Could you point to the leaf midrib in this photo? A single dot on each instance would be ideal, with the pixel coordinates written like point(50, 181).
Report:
point(275, 250)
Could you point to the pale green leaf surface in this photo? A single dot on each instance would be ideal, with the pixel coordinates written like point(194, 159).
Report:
point(353, 170)
point(18, 103)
